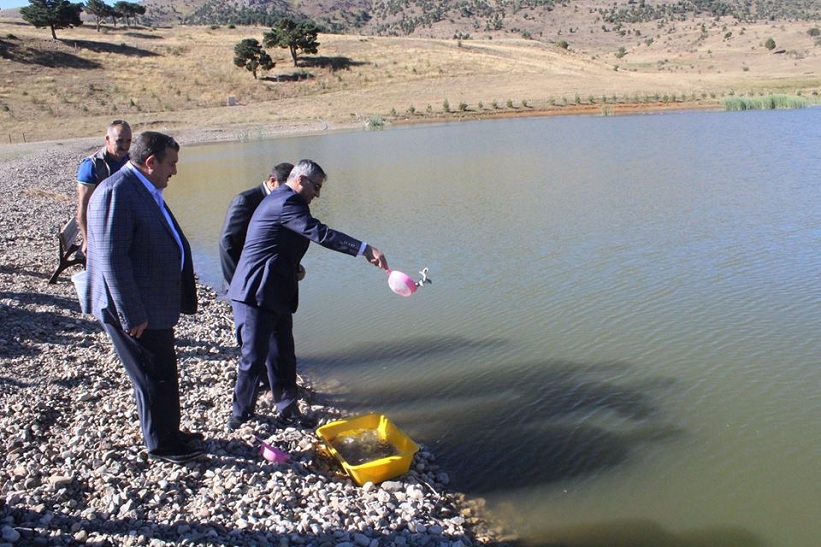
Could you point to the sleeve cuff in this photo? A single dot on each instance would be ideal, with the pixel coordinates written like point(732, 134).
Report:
point(362, 248)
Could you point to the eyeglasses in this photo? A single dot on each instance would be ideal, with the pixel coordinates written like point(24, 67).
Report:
point(315, 185)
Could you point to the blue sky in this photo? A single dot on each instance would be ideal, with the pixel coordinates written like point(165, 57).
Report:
point(6, 4)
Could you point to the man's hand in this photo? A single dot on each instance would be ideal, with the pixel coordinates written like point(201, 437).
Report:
point(137, 331)
point(83, 197)
point(376, 257)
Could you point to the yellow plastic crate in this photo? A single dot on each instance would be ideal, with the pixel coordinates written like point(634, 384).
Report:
point(402, 447)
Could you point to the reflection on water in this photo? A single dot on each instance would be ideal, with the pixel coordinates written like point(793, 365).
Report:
point(566, 419)
point(359, 446)
point(644, 533)
point(621, 346)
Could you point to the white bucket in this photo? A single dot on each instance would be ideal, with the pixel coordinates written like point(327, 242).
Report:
point(80, 280)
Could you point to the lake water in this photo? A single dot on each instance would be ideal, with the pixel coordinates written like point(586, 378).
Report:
point(621, 342)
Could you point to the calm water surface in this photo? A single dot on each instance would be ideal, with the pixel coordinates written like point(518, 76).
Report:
point(621, 340)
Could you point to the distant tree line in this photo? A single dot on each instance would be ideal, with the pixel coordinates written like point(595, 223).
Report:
point(405, 17)
point(60, 14)
point(128, 11)
point(217, 12)
point(639, 11)
point(401, 17)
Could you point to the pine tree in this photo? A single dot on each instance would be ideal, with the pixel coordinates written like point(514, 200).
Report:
point(54, 14)
point(249, 54)
point(99, 10)
point(288, 34)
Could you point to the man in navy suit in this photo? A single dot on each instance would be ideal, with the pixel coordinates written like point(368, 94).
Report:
point(235, 227)
point(264, 289)
point(141, 278)
point(238, 216)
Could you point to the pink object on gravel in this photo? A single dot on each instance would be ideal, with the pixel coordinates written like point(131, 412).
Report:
point(272, 453)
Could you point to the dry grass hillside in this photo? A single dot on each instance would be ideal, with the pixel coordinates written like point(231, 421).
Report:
point(180, 78)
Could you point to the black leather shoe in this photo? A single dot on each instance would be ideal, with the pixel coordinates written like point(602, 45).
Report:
point(235, 422)
point(176, 454)
point(292, 416)
point(190, 436)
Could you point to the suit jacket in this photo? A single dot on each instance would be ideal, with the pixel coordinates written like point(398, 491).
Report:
point(235, 226)
point(279, 234)
point(133, 259)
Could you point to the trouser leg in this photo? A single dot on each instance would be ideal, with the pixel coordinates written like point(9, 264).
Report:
point(264, 384)
point(151, 363)
point(254, 328)
point(281, 362)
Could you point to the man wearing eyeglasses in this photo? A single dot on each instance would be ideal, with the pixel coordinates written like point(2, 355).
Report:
point(99, 166)
point(263, 292)
point(141, 278)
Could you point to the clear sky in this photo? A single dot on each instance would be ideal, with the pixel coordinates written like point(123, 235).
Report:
point(6, 4)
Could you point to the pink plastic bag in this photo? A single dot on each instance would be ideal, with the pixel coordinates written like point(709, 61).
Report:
point(403, 285)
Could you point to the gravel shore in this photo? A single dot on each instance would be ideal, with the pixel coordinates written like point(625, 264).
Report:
point(75, 470)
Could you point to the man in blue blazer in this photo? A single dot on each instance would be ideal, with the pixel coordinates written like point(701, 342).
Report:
point(264, 289)
point(141, 278)
point(232, 239)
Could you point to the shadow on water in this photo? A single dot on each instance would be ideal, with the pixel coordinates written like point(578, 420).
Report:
point(643, 533)
point(413, 348)
point(509, 425)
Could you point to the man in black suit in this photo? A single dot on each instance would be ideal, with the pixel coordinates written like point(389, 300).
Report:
point(234, 228)
point(238, 216)
point(264, 289)
point(141, 278)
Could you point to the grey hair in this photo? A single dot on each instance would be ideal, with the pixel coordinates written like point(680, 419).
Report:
point(307, 168)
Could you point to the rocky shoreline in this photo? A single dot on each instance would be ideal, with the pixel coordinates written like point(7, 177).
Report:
point(75, 470)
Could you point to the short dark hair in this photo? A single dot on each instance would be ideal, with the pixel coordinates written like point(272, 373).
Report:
point(152, 143)
point(281, 171)
point(119, 123)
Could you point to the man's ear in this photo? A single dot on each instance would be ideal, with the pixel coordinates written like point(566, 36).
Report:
point(150, 162)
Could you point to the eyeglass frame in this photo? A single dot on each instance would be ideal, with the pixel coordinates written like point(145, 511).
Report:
point(317, 187)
